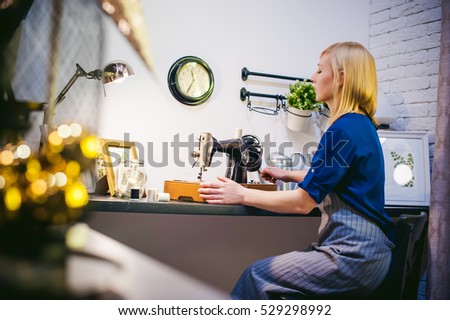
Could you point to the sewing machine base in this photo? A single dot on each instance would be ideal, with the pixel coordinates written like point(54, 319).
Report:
point(188, 191)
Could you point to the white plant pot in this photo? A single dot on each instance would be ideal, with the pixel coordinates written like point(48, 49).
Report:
point(297, 119)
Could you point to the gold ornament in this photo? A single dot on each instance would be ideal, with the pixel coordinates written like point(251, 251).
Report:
point(127, 14)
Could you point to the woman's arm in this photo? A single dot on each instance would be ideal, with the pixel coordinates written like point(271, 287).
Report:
point(226, 191)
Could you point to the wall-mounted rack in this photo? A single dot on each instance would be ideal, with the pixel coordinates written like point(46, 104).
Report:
point(245, 73)
point(280, 102)
point(280, 99)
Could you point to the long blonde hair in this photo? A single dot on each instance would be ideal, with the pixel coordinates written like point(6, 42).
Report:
point(358, 90)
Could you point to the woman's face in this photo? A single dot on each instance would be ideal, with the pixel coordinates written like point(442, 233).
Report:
point(323, 80)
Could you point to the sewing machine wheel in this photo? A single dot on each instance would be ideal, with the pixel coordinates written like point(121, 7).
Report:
point(251, 151)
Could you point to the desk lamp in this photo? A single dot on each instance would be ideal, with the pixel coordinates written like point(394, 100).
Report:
point(114, 71)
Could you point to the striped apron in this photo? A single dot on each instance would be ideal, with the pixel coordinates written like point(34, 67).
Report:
point(351, 258)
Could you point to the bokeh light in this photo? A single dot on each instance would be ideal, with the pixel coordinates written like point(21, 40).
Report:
point(77, 236)
point(34, 164)
point(51, 180)
point(90, 146)
point(55, 139)
point(38, 187)
point(45, 186)
point(59, 218)
point(61, 179)
point(23, 151)
point(72, 169)
point(76, 195)
point(32, 174)
point(75, 130)
point(64, 131)
point(33, 169)
point(6, 157)
point(13, 199)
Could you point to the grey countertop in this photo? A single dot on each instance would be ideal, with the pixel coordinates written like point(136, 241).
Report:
point(112, 204)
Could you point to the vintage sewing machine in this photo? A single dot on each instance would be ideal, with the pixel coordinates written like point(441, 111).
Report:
point(244, 154)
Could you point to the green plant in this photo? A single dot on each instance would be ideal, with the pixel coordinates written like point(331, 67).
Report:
point(302, 96)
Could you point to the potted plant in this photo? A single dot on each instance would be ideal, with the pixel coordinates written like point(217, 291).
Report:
point(302, 103)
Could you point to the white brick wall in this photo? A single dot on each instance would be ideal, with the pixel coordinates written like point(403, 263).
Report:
point(405, 42)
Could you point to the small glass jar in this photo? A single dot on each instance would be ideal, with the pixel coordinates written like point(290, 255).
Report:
point(131, 175)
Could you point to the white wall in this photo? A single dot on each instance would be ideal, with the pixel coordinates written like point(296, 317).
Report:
point(282, 37)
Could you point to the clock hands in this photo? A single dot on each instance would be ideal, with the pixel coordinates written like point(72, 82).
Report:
point(193, 80)
point(190, 86)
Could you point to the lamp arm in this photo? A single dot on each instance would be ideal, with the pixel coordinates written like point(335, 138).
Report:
point(48, 112)
point(78, 73)
point(96, 74)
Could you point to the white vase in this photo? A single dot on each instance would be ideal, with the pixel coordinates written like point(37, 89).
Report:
point(297, 119)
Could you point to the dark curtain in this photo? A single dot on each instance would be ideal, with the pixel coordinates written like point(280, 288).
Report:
point(438, 281)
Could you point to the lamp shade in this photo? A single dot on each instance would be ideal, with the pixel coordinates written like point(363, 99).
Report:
point(116, 71)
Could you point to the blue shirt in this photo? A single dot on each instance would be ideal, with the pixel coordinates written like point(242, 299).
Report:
point(349, 161)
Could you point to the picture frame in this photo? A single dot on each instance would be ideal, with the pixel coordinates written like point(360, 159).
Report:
point(114, 152)
point(407, 167)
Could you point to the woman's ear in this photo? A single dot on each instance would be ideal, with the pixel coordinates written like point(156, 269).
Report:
point(341, 77)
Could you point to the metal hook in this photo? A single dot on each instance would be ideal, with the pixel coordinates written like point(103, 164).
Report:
point(277, 104)
point(249, 103)
point(283, 105)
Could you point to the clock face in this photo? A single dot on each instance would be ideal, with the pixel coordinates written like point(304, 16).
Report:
point(190, 80)
point(193, 80)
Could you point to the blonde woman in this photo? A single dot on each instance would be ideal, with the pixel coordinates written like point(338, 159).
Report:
point(346, 182)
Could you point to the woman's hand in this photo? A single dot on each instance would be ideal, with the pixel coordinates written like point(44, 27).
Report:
point(223, 191)
point(272, 174)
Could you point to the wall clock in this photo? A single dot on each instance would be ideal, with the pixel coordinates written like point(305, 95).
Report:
point(190, 80)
